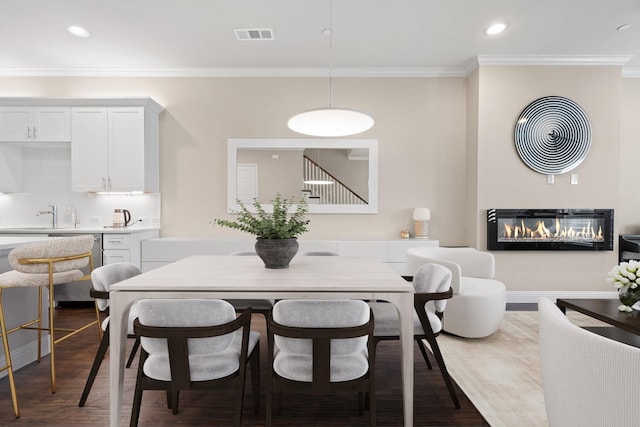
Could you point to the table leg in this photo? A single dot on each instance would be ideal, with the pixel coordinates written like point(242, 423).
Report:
point(119, 313)
point(404, 303)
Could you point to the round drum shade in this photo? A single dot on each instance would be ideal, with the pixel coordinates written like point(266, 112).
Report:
point(552, 135)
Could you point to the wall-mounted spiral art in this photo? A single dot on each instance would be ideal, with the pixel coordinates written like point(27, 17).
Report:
point(552, 135)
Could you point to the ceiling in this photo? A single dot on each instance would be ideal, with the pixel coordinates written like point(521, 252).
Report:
point(370, 37)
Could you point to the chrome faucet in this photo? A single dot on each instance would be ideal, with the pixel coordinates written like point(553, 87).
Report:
point(54, 214)
point(74, 215)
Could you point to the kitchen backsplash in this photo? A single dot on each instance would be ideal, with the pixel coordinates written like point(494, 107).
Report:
point(46, 180)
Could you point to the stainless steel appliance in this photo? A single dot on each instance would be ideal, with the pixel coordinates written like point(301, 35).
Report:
point(121, 218)
point(78, 291)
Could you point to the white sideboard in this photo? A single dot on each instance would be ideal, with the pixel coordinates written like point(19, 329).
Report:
point(161, 251)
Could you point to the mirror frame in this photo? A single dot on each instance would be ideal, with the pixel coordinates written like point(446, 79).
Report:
point(234, 144)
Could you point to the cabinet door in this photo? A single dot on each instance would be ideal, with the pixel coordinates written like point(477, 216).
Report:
point(89, 149)
point(51, 124)
point(15, 123)
point(126, 149)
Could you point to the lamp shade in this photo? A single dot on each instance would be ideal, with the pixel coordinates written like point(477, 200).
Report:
point(421, 214)
point(330, 122)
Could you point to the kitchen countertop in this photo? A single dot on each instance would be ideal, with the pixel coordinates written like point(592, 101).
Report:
point(8, 243)
point(79, 230)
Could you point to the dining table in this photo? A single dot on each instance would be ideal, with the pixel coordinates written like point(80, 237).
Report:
point(238, 277)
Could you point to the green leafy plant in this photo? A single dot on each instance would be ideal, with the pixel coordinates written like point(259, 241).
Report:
point(279, 224)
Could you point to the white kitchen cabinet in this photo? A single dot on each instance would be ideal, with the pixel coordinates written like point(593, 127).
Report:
point(35, 124)
point(114, 149)
point(124, 247)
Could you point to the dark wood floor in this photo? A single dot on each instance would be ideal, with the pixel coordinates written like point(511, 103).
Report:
point(39, 407)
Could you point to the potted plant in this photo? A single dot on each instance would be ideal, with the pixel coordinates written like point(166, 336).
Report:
point(276, 231)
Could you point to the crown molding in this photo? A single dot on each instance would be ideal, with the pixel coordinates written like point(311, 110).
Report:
point(554, 60)
point(236, 72)
point(379, 72)
point(631, 73)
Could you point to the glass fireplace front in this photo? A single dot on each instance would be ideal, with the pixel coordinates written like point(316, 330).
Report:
point(550, 229)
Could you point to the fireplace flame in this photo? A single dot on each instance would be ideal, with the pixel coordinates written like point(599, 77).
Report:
point(543, 232)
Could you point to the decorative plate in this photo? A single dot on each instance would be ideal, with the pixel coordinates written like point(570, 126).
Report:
point(552, 135)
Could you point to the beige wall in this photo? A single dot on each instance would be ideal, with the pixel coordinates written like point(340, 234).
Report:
point(628, 214)
point(444, 143)
point(504, 181)
point(420, 129)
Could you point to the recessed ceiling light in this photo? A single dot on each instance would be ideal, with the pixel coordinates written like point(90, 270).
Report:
point(623, 27)
point(496, 28)
point(78, 31)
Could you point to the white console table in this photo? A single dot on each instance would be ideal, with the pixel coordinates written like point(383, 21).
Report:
point(164, 250)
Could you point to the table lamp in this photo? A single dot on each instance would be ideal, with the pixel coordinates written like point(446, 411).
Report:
point(421, 217)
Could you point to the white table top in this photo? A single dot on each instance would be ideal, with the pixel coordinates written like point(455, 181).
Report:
point(248, 274)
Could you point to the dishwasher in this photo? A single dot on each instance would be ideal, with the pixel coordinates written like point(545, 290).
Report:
point(73, 293)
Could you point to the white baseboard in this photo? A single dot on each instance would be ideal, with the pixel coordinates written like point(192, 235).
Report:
point(534, 296)
point(22, 356)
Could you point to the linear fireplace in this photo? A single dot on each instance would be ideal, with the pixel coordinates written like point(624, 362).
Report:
point(550, 229)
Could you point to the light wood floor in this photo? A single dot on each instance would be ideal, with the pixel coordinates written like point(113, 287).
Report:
point(501, 373)
point(39, 407)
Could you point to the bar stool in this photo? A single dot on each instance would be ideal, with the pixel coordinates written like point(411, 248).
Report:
point(41, 264)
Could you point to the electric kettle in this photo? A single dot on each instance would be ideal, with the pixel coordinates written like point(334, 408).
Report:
point(121, 217)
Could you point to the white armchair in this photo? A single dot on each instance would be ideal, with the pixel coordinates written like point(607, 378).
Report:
point(587, 379)
point(479, 301)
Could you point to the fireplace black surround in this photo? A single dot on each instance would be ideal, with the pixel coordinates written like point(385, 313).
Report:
point(550, 229)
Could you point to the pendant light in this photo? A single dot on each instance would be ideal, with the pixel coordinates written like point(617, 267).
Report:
point(331, 121)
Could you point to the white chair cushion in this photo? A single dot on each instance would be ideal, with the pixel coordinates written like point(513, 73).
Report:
point(133, 313)
point(203, 367)
point(387, 324)
point(103, 277)
point(321, 314)
point(293, 357)
point(299, 367)
point(209, 358)
point(66, 246)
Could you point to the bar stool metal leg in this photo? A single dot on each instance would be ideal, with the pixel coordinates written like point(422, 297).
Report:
point(7, 356)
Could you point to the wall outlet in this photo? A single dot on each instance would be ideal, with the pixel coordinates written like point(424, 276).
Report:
point(574, 179)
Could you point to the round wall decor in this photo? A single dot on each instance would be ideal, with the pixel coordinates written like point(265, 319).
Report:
point(552, 135)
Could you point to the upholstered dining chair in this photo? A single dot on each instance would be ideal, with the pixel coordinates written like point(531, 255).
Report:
point(432, 283)
point(44, 265)
point(479, 301)
point(321, 346)
point(587, 380)
point(102, 278)
point(189, 344)
point(262, 306)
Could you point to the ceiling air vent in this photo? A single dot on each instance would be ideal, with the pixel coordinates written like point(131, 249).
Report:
point(254, 33)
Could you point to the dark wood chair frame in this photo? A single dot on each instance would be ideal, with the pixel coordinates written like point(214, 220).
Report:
point(419, 301)
point(102, 351)
point(179, 360)
point(321, 383)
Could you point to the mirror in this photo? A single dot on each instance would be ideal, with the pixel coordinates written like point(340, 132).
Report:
point(333, 175)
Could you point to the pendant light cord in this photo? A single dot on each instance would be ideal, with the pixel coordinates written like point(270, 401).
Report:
point(330, 53)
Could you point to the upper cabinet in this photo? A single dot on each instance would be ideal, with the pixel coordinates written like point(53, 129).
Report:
point(35, 124)
point(114, 149)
